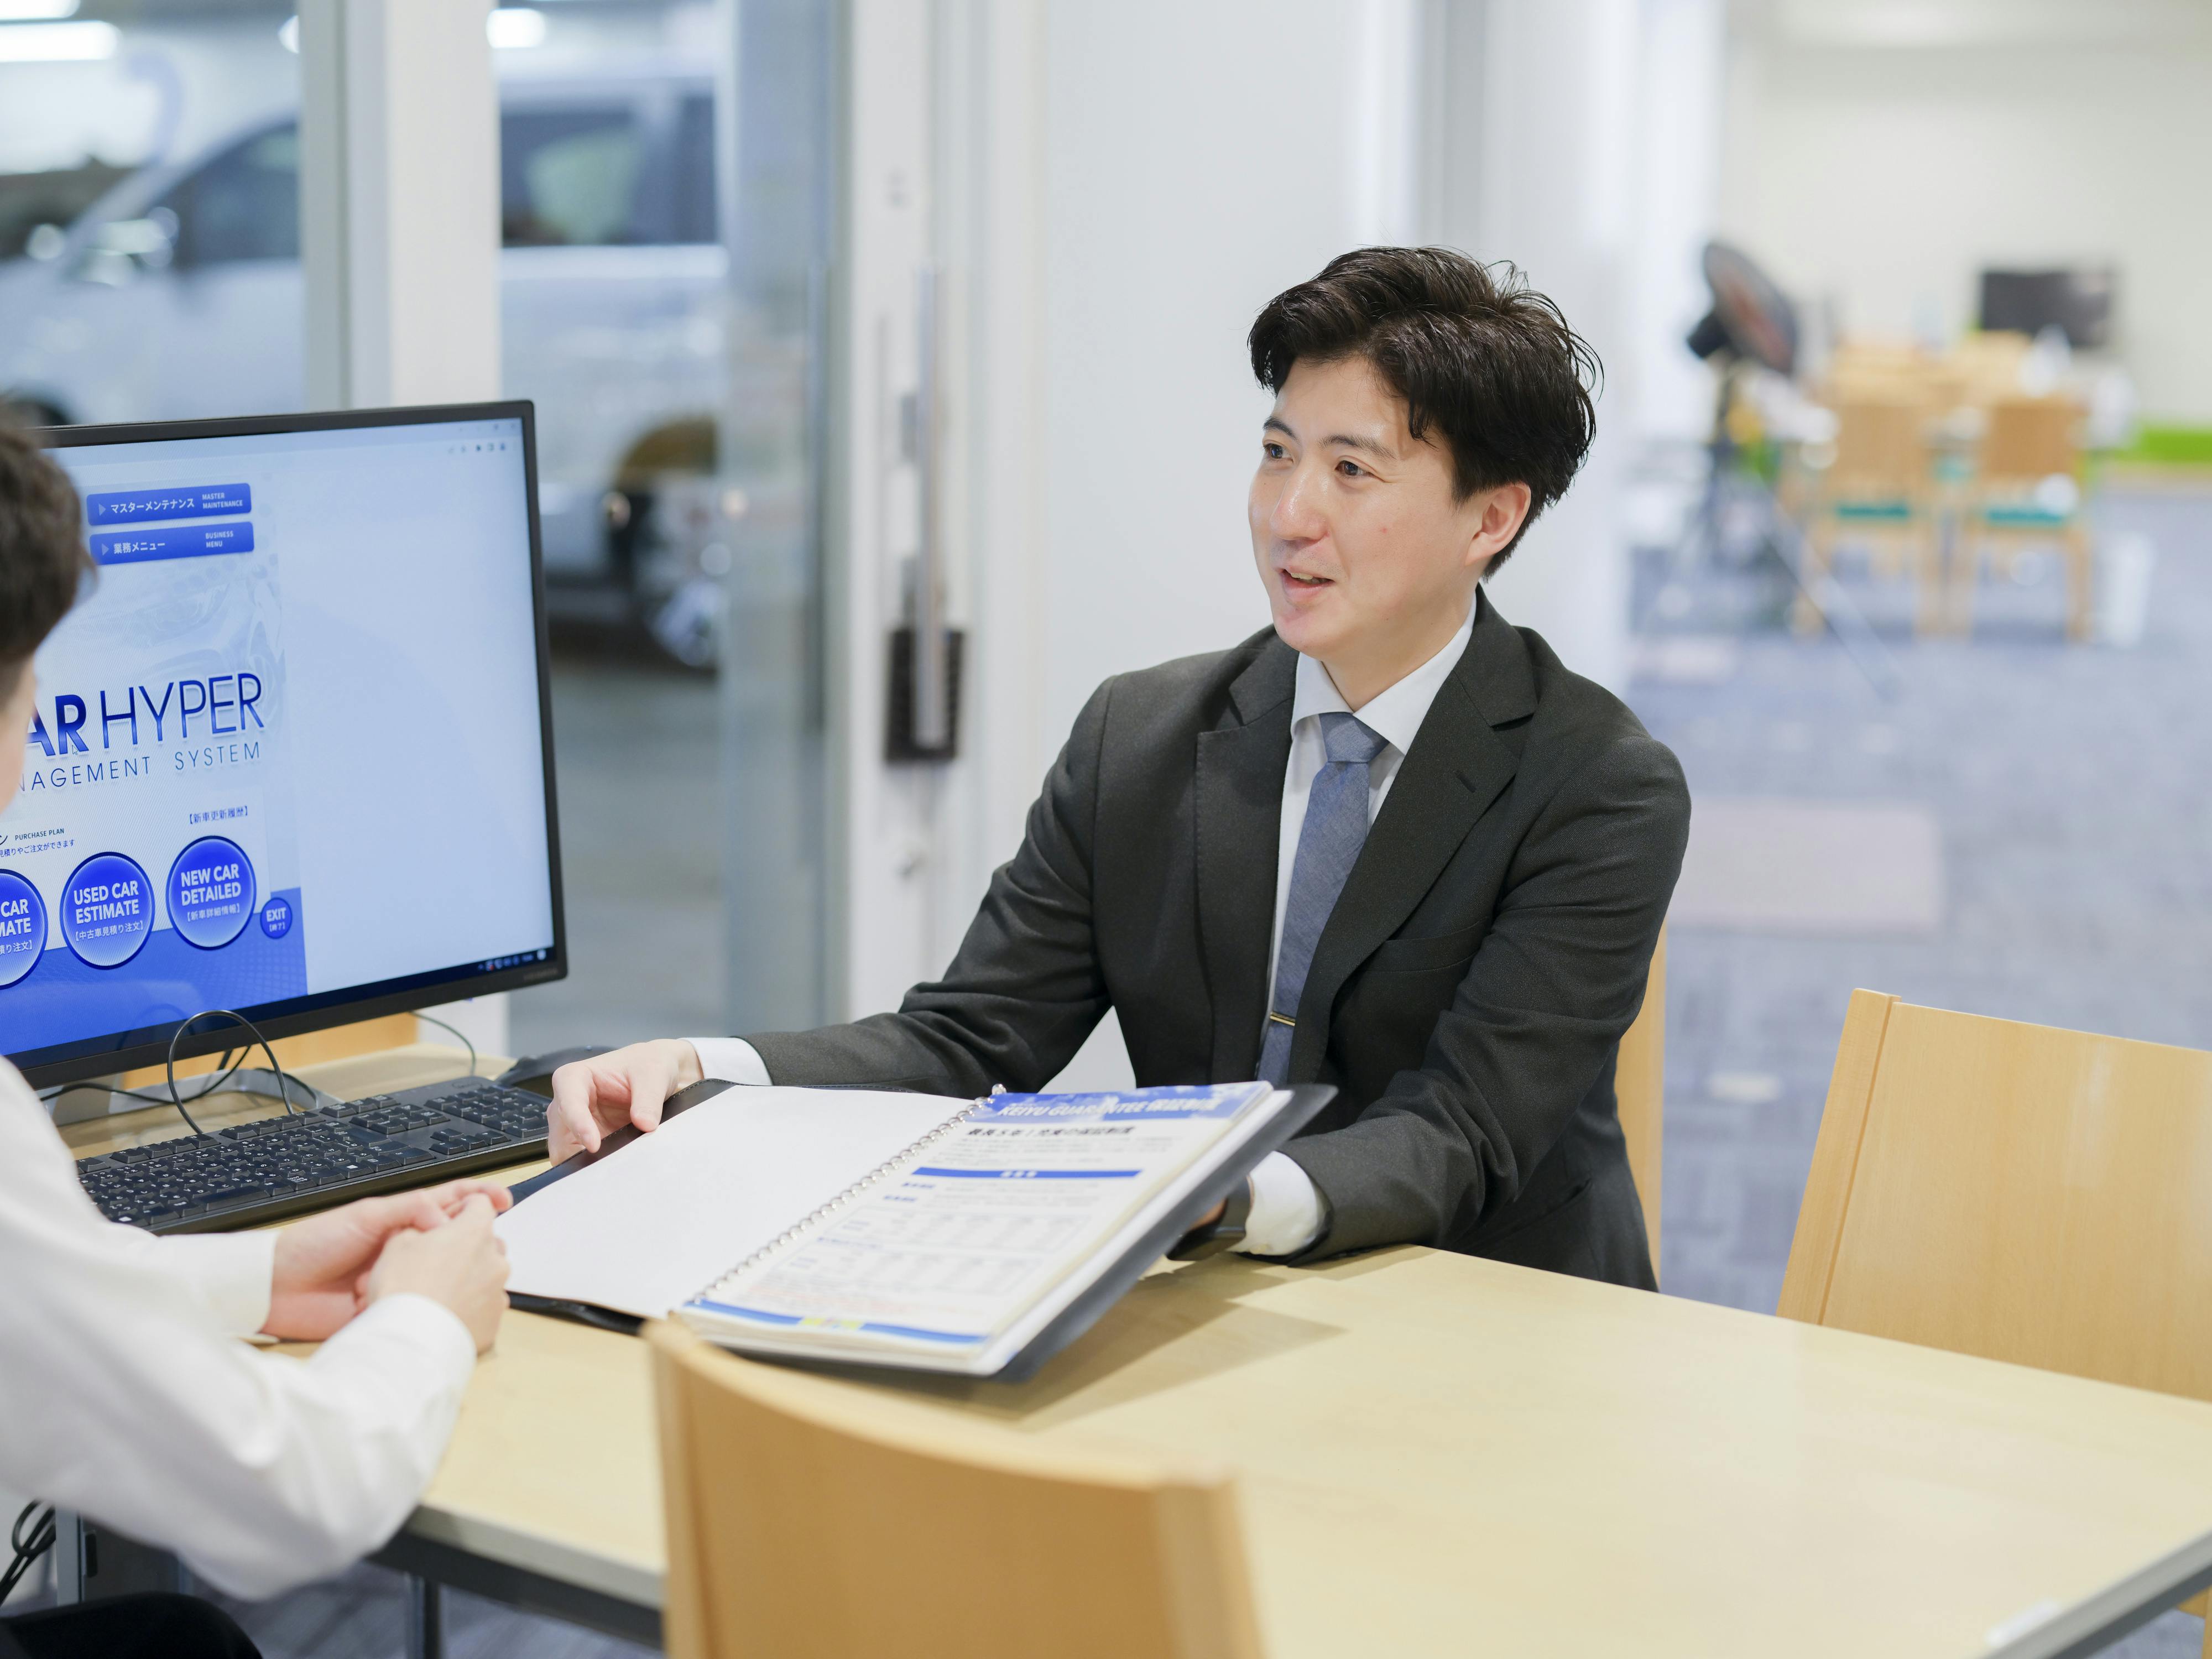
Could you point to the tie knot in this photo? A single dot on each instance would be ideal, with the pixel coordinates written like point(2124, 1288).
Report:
point(1348, 740)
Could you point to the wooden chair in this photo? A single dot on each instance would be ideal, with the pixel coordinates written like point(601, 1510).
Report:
point(2029, 450)
point(1879, 487)
point(1882, 368)
point(1639, 1082)
point(809, 1519)
point(1990, 366)
point(2030, 1195)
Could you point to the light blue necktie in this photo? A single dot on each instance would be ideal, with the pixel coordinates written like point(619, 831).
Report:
point(1328, 846)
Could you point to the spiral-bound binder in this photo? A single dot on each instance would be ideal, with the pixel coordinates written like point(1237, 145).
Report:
point(1185, 1149)
point(1084, 1280)
point(851, 1194)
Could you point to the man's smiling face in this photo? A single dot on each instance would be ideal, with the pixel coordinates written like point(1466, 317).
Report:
point(1369, 559)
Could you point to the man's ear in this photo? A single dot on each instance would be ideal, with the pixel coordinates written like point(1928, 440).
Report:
point(1503, 512)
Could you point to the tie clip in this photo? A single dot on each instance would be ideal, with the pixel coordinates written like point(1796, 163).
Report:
point(1280, 1019)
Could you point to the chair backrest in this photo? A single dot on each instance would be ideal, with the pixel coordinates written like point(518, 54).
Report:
point(2029, 439)
point(812, 1519)
point(1861, 361)
point(1639, 1082)
point(1989, 364)
point(2027, 1194)
point(1881, 447)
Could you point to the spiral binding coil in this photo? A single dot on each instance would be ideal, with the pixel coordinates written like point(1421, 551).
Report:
point(889, 1166)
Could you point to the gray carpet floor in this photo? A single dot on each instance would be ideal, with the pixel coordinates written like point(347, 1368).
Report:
point(2070, 789)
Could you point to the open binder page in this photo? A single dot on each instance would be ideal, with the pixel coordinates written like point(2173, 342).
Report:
point(986, 1233)
point(640, 1231)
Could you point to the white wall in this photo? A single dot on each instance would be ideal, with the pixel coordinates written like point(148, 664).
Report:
point(1198, 165)
point(1126, 185)
point(1680, 74)
point(1539, 147)
point(1119, 190)
point(1885, 171)
point(895, 817)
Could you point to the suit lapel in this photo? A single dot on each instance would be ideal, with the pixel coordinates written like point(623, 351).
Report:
point(1457, 766)
point(1239, 802)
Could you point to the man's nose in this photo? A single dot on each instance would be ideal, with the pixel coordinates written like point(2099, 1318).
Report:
point(1297, 514)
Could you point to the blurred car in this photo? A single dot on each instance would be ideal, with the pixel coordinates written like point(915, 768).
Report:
point(178, 295)
point(40, 202)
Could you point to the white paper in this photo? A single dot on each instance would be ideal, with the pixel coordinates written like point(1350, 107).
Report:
point(653, 1223)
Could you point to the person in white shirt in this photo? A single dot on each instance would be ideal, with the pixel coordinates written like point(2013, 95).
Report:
point(126, 1391)
point(1391, 846)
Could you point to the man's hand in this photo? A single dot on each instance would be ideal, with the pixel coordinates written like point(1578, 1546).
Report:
point(461, 1265)
point(323, 1263)
point(594, 1096)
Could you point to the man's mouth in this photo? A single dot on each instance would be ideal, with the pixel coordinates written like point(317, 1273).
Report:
point(1299, 583)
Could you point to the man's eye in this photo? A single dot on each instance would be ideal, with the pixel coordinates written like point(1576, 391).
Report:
point(1273, 451)
point(1351, 469)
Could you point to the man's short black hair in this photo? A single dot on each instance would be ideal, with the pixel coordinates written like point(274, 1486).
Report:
point(1470, 347)
point(43, 562)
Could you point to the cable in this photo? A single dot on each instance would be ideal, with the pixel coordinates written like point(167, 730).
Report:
point(458, 1032)
point(214, 1086)
point(27, 1549)
point(283, 1082)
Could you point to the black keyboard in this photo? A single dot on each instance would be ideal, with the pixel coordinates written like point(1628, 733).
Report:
point(277, 1167)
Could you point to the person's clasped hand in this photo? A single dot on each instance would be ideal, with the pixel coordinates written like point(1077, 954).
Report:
point(438, 1243)
point(593, 1097)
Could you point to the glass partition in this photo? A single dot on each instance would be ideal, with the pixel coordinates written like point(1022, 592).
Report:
point(149, 224)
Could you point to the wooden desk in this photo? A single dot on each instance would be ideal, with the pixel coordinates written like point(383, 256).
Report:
point(1439, 1453)
point(1435, 1449)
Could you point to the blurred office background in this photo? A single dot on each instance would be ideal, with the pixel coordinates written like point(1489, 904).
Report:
point(890, 371)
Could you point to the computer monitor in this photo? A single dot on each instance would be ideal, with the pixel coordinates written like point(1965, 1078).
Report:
point(2079, 303)
point(293, 752)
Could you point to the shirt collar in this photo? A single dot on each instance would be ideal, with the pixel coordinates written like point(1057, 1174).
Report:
point(1393, 715)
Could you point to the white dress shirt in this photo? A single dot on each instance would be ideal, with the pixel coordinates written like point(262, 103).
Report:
point(1286, 1210)
point(125, 1394)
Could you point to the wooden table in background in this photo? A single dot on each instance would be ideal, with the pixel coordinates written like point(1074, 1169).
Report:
point(1442, 1454)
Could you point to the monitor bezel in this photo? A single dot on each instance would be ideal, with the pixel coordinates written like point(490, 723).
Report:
point(73, 1063)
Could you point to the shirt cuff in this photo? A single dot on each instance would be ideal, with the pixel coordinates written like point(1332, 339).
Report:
point(730, 1060)
point(1286, 1210)
point(233, 1273)
point(429, 1328)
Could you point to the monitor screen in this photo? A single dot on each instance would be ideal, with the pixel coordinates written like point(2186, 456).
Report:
point(2078, 303)
point(290, 754)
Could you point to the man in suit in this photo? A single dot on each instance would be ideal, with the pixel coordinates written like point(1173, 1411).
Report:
point(1390, 843)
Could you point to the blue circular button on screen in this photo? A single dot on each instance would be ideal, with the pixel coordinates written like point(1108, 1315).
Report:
point(22, 928)
point(211, 892)
point(276, 918)
point(107, 910)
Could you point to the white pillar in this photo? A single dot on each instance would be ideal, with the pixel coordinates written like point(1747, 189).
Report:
point(399, 202)
point(1681, 76)
point(1538, 137)
point(893, 813)
point(400, 230)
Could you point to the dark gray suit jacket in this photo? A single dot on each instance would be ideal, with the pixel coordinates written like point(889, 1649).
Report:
point(1467, 996)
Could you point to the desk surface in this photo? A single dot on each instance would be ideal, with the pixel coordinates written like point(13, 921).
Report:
point(1434, 1448)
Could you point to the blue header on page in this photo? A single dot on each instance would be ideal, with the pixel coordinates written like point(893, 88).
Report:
point(180, 542)
point(184, 501)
